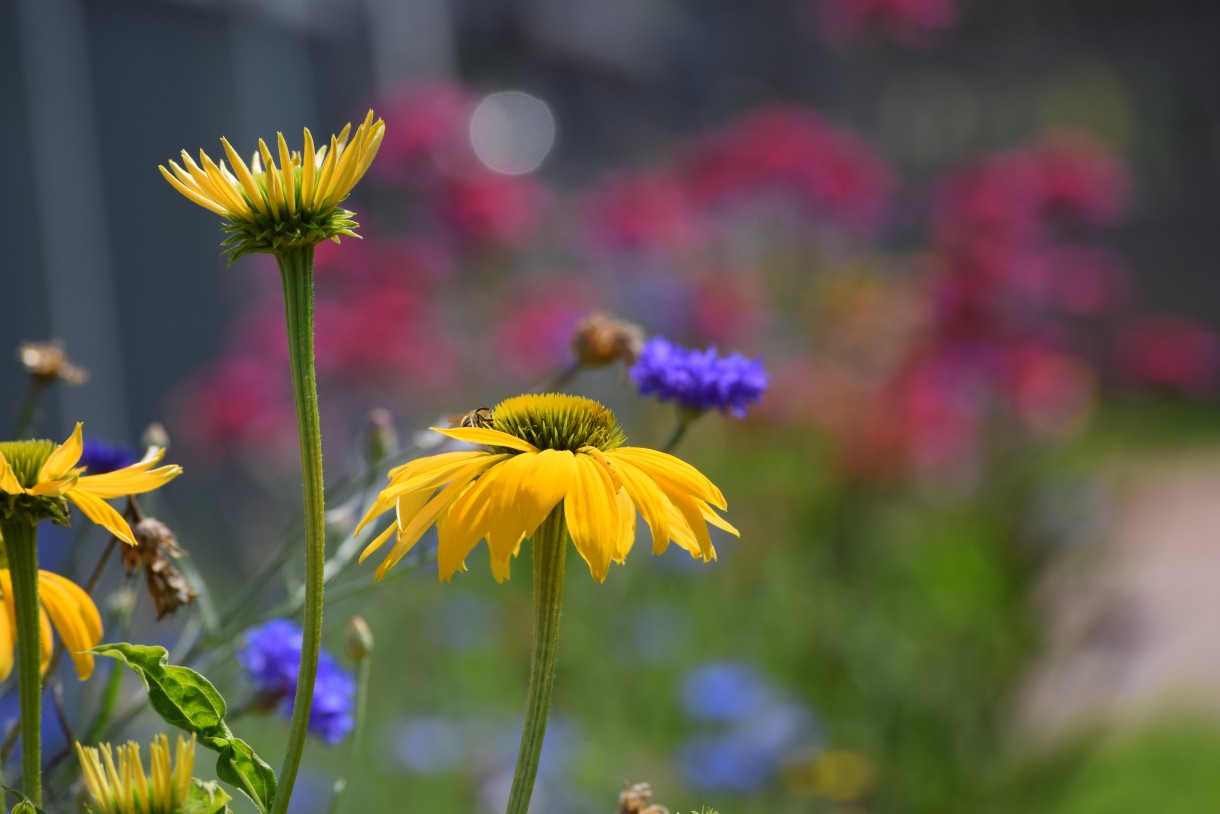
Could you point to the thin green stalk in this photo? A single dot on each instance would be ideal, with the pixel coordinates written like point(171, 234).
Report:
point(25, 415)
point(296, 273)
point(362, 696)
point(21, 545)
point(549, 546)
point(686, 417)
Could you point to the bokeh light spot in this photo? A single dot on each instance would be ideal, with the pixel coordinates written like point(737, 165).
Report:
point(512, 132)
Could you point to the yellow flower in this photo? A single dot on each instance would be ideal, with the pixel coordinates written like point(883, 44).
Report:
point(71, 611)
point(36, 477)
point(543, 450)
point(274, 208)
point(124, 788)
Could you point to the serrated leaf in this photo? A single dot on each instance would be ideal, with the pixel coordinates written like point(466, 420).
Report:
point(181, 696)
point(240, 767)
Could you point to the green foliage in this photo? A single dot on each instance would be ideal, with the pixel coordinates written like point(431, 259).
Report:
point(23, 806)
point(206, 798)
point(187, 700)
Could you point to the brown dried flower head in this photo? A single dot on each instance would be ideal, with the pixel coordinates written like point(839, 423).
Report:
point(600, 339)
point(48, 362)
point(155, 546)
point(637, 799)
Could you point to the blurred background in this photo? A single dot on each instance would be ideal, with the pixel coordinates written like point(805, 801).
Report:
point(968, 239)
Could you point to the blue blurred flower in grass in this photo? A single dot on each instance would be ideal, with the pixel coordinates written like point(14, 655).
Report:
point(724, 691)
point(272, 658)
point(759, 728)
point(99, 457)
point(698, 380)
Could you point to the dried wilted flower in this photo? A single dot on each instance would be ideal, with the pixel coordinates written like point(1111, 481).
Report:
point(48, 362)
point(155, 545)
point(637, 799)
point(600, 339)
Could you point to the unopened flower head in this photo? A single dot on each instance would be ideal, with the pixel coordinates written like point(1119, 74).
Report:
point(117, 784)
point(64, 605)
point(39, 478)
point(48, 362)
point(280, 208)
point(601, 339)
point(698, 380)
point(541, 452)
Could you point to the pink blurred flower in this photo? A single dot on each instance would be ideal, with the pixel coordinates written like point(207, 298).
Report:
point(1082, 178)
point(421, 122)
point(649, 211)
point(486, 208)
point(791, 150)
point(911, 23)
point(234, 403)
point(534, 337)
point(1172, 352)
point(1050, 393)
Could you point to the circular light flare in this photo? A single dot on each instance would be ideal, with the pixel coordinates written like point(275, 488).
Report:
point(512, 132)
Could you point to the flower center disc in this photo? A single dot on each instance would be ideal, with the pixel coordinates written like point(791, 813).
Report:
point(26, 458)
point(555, 421)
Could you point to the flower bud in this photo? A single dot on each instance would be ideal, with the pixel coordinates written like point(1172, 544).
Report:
point(600, 339)
point(359, 639)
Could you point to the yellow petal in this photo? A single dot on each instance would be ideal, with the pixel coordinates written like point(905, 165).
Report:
point(420, 474)
point(131, 480)
point(74, 616)
point(63, 458)
point(688, 508)
point(661, 465)
point(716, 520)
point(487, 437)
point(626, 526)
point(427, 515)
point(191, 194)
point(247, 180)
point(8, 479)
point(378, 541)
point(466, 523)
point(46, 642)
point(591, 510)
point(8, 639)
point(309, 169)
point(531, 485)
point(100, 512)
point(287, 174)
point(648, 499)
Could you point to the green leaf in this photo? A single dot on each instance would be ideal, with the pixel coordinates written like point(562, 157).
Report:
point(206, 798)
point(23, 806)
point(187, 700)
point(240, 767)
point(181, 696)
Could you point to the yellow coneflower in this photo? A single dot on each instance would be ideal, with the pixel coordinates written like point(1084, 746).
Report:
point(122, 787)
point(553, 466)
point(543, 451)
point(276, 208)
point(69, 609)
point(36, 477)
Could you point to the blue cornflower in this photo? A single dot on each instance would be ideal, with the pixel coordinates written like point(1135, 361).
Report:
point(99, 457)
point(698, 380)
point(272, 657)
point(724, 691)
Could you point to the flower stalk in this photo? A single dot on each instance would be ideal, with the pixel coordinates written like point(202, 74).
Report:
point(21, 546)
point(549, 546)
point(296, 273)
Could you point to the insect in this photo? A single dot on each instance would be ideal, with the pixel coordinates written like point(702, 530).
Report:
point(480, 418)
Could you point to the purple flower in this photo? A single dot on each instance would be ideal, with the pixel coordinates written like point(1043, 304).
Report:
point(99, 457)
point(698, 380)
point(272, 658)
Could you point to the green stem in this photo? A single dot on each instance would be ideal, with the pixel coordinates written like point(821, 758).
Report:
point(549, 547)
point(296, 272)
point(362, 696)
point(25, 415)
point(686, 417)
point(21, 545)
